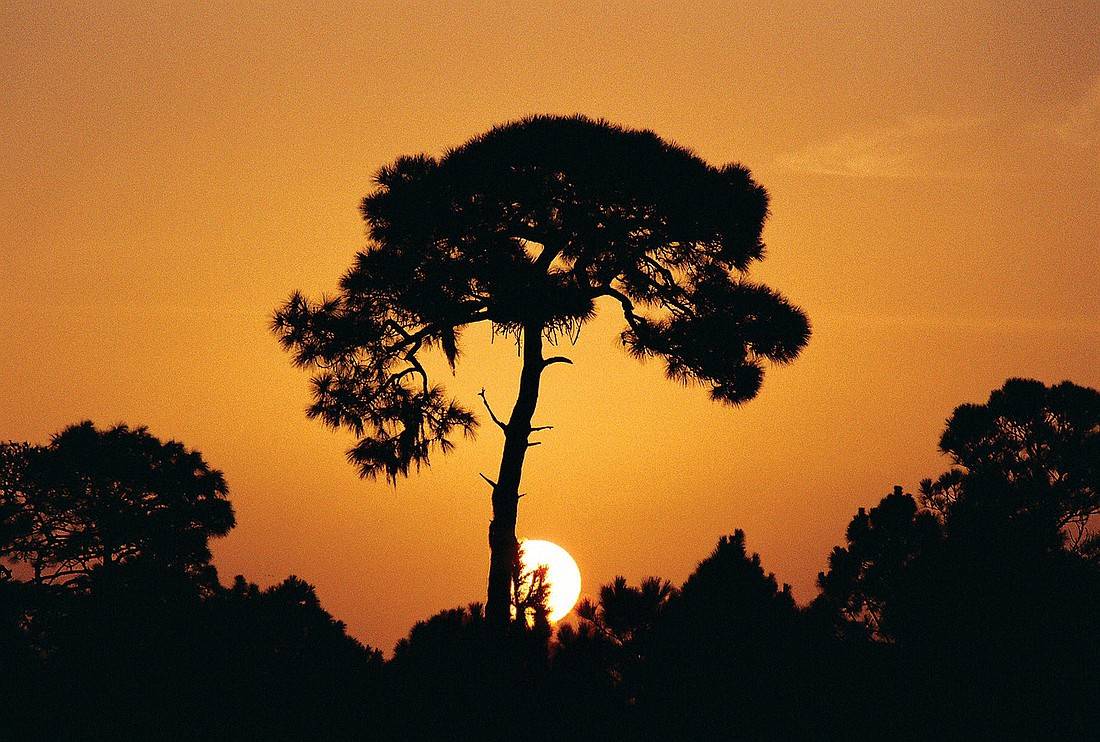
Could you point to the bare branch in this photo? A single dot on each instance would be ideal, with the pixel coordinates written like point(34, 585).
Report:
point(665, 273)
point(413, 340)
point(415, 363)
point(628, 305)
point(556, 359)
point(408, 338)
point(490, 481)
point(492, 415)
point(541, 427)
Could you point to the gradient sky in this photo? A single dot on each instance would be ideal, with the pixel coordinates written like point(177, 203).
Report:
point(171, 171)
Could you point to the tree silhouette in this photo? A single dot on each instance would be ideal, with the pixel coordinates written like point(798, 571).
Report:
point(723, 652)
point(287, 667)
point(530, 595)
point(1026, 483)
point(625, 614)
point(94, 499)
point(985, 587)
point(449, 667)
point(1027, 460)
point(526, 227)
point(865, 578)
point(618, 629)
point(113, 624)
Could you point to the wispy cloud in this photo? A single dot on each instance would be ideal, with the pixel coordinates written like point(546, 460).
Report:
point(996, 144)
point(919, 147)
point(1080, 126)
point(1083, 325)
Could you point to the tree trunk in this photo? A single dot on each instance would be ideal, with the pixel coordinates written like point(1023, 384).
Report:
point(503, 546)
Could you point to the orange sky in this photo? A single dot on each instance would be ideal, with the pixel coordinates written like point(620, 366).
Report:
point(172, 171)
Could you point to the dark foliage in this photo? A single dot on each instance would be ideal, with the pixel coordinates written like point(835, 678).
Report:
point(141, 657)
point(476, 688)
point(113, 624)
point(727, 656)
point(865, 578)
point(1028, 466)
point(728, 653)
point(986, 584)
point(525, 227)
point(95, 499)
point(968, 611)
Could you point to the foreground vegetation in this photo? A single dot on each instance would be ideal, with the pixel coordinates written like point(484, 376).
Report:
point(968, 609)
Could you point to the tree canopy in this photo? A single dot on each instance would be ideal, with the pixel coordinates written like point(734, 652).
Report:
point(1028, 458)
point(525, 227)
point(1024, 491)
point(97, 498)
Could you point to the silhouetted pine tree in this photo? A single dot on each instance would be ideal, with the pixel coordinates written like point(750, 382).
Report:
point(526, 227)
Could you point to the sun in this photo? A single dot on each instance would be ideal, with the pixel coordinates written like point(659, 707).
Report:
point(561, 573)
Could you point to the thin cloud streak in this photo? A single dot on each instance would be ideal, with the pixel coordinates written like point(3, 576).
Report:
point(907, 150)
point(1012, 325)
point(930, 147)
point(1081, 125)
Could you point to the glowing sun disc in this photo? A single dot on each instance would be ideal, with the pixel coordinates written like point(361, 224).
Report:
point(561, 572)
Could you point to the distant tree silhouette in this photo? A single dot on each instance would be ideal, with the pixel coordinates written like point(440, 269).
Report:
point(599, 659)
point(286, 668)
point(113, 624)
point(526, 227)
point(93, 499)
point(864, 578)
point(441, 681)
point(449, 680)
point(727, 656)
point(17, 521)
point(623, 621)
point(625, 614)
point(987, 583)
point(1026, 481)
point(145, 653)
point(149, 657)
point(974, 619)
point(1027, 460)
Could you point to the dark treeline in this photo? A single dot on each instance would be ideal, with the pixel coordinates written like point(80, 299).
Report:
point(113, 624)
point(968, 609)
